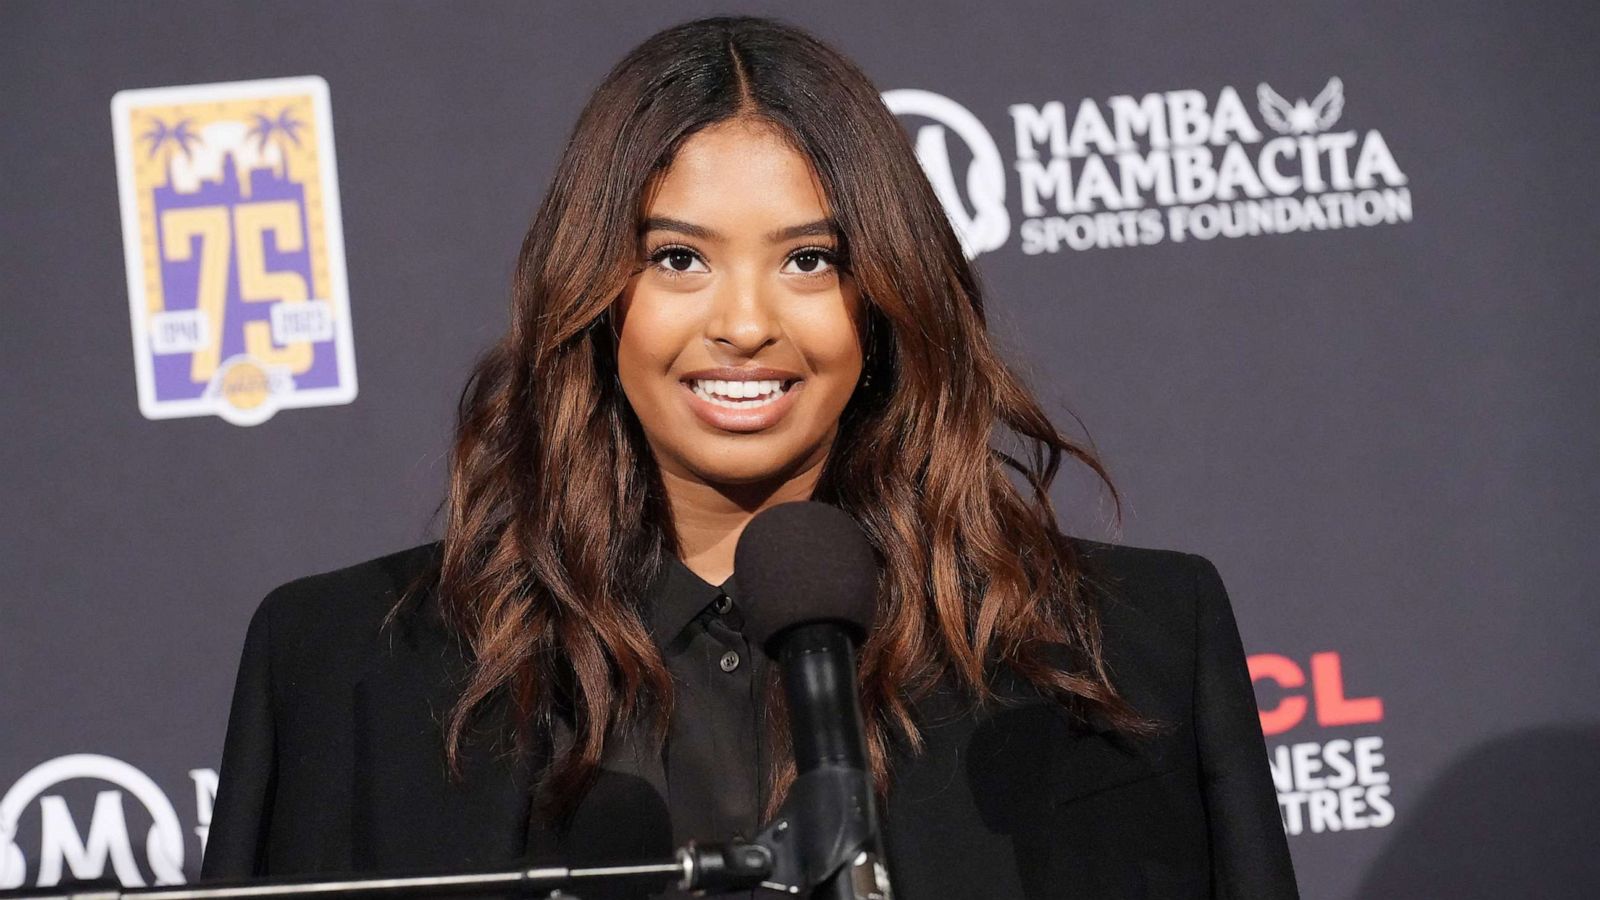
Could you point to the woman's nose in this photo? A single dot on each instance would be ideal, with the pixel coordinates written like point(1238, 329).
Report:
point(742, 317)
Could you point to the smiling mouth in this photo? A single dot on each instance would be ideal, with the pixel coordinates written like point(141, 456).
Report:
point(741, 394)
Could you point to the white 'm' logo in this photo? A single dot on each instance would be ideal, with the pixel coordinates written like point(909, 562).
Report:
point(988, 226)
point(62, 845)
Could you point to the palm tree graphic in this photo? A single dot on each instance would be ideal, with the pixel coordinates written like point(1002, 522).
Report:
point(276, 129)
point(179, 136)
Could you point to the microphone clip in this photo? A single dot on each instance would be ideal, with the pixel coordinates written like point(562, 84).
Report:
point(826, 828)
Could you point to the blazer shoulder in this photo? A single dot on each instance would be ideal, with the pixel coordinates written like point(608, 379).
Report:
point(337, 602)
point(1150, 581)
point(1127, 559)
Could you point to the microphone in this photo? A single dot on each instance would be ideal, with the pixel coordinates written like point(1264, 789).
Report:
point(812, 581)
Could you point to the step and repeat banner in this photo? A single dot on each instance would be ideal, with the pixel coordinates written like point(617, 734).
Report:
point(1319, 280)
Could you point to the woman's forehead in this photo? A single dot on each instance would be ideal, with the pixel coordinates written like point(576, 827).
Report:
point(736, 168)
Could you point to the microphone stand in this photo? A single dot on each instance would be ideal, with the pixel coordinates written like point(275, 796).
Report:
point(821, 845)
point(696, 867)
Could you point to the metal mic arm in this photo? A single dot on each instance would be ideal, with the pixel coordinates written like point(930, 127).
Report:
point(697, 867)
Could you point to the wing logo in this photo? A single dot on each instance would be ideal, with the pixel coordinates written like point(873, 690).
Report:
point(234, 248)
point(1301, 117)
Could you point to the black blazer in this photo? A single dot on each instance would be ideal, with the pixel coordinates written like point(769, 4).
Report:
point(332, 760)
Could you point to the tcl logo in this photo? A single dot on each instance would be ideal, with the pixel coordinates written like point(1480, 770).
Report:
point(1326, 697)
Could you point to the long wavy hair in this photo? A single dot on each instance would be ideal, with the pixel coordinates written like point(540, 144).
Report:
point(557, 520)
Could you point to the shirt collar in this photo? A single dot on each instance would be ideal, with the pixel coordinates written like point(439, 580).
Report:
point(678, 596)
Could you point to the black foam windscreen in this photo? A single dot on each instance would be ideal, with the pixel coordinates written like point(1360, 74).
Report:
point(804, 562)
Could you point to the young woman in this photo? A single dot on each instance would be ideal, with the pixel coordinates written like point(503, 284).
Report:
point(739, 291)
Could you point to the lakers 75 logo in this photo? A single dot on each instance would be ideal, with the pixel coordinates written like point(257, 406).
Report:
point(235, 253)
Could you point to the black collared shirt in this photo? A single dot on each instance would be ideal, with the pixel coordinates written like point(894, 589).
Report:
point(706, 782)
point(713, 757)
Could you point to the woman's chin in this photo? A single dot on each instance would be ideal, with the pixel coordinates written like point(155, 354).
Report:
point(756, 474)
point(750, 467)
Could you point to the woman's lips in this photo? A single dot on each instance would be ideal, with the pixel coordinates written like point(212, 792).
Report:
point(756, 418)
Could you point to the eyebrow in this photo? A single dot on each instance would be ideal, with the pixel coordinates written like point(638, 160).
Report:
point(819, 228)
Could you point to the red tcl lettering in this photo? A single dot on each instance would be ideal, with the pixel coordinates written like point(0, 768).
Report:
point(1327, 693)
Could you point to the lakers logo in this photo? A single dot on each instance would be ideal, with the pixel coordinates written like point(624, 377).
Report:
point(235, 252)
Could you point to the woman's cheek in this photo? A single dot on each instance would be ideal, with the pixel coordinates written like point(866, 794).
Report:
point(827, 337)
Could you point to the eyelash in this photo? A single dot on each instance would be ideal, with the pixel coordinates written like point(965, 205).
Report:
point(833, 258)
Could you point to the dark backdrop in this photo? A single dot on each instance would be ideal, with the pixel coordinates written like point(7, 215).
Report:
point(1377, 415)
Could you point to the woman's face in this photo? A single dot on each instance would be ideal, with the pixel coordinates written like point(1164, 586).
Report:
point(739, 341)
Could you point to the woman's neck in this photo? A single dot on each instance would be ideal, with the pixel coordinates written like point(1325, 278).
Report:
point(709, 518)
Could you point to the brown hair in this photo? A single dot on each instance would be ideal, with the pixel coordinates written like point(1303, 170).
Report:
point(556, 516)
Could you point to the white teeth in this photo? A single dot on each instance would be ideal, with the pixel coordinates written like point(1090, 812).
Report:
point(738, 394)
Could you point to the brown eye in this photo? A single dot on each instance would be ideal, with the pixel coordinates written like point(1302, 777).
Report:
point(814, 260)
point(678, 260)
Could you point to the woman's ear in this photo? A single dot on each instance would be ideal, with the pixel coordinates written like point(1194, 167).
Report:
point(869, 341)
point(607, 320)
point(603, 331)
point(613, 317)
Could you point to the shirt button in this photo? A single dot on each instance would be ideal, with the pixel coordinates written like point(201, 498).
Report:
point(729, 661)
point(722, 604)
